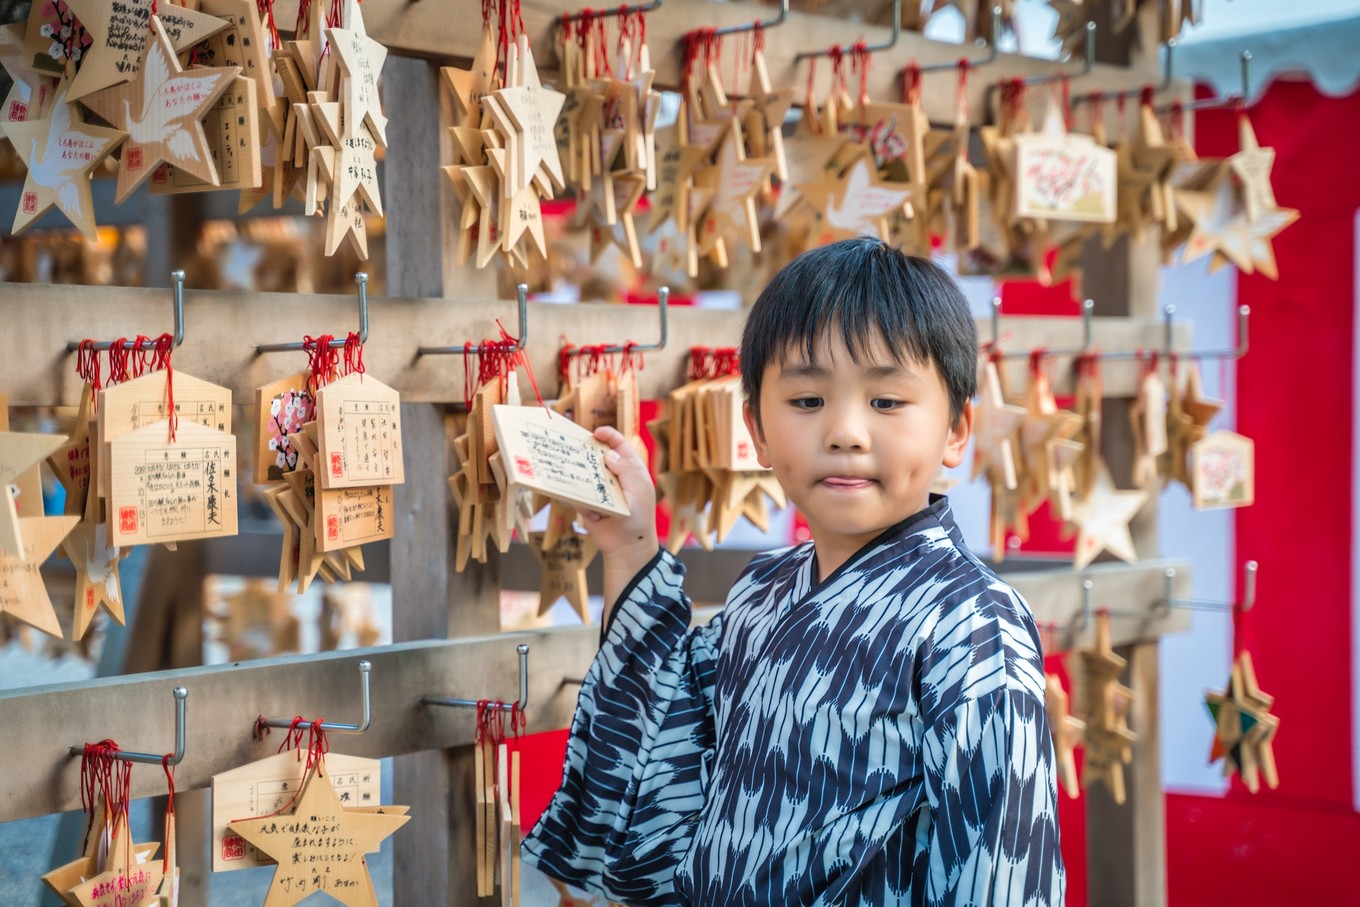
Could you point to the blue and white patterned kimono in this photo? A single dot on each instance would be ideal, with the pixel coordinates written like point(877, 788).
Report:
point(875, 738)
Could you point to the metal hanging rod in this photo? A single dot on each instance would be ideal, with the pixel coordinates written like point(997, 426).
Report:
point(616, 11)
point(1087, 64)
point(663, 295)
point(759, 23)
point(1087, 308)
point(521, 705)
point(1170, 601)
point(361, 280)
point(1167, 77)
point(336, 727)
point(177, 279)
point(180, 694)
point(522, 297)
point(1211, 103)
point(992, 50)
point(867, 48)
point(1168, 344)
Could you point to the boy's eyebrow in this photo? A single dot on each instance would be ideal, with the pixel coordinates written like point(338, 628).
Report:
point(812, 370)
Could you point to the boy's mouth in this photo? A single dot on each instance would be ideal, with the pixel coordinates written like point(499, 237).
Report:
point(846, 483)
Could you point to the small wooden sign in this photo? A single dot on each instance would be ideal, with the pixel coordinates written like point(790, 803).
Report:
point(23, 594)
point(360, 432)
point(1066, 177)
point(346, 517)
point(232, 129)
point(166, 491)
point(555, 457)
point(265, 787)
point(1223, 471)
point(282, 407)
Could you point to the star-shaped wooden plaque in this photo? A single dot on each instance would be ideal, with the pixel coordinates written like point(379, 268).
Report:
point(1103, 519)
point(995, 426)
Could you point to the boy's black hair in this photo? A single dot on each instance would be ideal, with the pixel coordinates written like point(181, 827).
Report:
point(868, 289)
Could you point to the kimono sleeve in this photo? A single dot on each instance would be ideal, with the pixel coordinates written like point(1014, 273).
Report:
point(639, 752)
point(989, 765)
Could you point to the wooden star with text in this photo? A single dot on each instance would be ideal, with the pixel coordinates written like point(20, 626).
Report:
point(467, 86)
point(564, 566)
point(994, 429)
point(734, 182)
point(676, 163)
point(162, 113)
point(1066, 731)
point(1252, 165)
point(97, 582)
point(319, 845)
point(60, 150)
point(19, 452)
point(121, 38)
point(1102, 520)
point(807, 157)
point(855, 204)
point(361, 61)
point(125, 879)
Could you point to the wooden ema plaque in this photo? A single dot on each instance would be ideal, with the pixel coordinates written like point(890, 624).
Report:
point(282, 407)
point(166, 491)
point(346, 517)
point(137, 403)
point(359, 419)
point(1062, 176)
point(232, 129)
point(264, 787)
point(552, 455)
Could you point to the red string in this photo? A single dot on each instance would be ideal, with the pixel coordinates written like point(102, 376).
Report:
point(911, 84)
point(321, 362)
point(1097, 107)
point(837, 56)
point(118, 362)
point(354, 355)
point(1145, 96)
point(961, 92)
point(164, 347)
point(1241, 630)
point(169, 804)
point(860, 60)
point(1036, 360)
point(302, 28)
point(266, 9)
point(1065, 94)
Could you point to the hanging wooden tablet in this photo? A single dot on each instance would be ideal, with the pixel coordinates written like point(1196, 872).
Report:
point(265, 787)
point(360, 60)
point(556, 457)
point(1104, 703)
point(70, 463)
point(1066, 731)
point(347, 517)
point(1064, 176)
point(124, 879)
point(231, 128)
point(1223, 471)
point(165, 490)
point(137, 403)
point(60, 150)
point(282, 407)
point(734, 181)
point(19, 453)
point(23, 594)
point(359, 425)
point(96, 562)
point(162, 112)
point(1103, 519)
point(563, 566)
point(319, 845)
point(121, 41)
point(243, 42)
point(995, 428)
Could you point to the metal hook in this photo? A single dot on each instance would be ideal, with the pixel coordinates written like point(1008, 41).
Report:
point(177, 277)
point(361, 279)
point(1170, 601)
point(1237, 352)
point(1212, 103)
point(617, 11)
point(867, 48)
point(336, 727)
point(180, 694)
point(521, 705)
point(1087, 610)
point(992, 50)
point(522, 294)
point(663, 295)
point(1167, 78)
point(759, 23)
point(1087, 309)
point(1087, 64)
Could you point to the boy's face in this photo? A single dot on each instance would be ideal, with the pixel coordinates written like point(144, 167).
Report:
point(855, 445)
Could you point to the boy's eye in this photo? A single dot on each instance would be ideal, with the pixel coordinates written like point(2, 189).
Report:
point(882, 403)
point(806, 403)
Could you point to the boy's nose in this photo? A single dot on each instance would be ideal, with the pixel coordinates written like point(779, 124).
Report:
point(847, 431)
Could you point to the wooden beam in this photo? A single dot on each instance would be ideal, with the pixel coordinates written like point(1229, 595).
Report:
point(427, 30)
point(222, 330)
point(42, 777)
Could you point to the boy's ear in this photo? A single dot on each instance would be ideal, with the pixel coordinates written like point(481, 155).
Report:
point(748, 415)
point(957, 441)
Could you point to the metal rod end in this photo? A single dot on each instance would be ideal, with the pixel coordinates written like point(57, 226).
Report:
point(365, 666)
point(180, 693)
point(1087, 585)
point(522, 649)
point(177, 275)
point(361, 277)
point(1170, 573)
point(1244, 310)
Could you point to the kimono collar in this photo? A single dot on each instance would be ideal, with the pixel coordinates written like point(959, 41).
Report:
point(935, 513)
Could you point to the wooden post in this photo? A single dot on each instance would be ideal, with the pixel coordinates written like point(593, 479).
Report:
point(430, 600)
point(1126, 845)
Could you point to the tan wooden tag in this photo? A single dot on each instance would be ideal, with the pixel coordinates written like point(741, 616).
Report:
point(19, 453)
point(266, 786)
point(27, 486)
point(142, 401)
point(232, 129)
point(360, 433)
point(1061, 176)
point(556, 457)
point(281, 408)
point(165, 491)
point(1223, 471)
point(23, 594)
point(352, 516)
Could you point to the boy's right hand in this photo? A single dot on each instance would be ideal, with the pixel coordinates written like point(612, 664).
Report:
point(627, 543)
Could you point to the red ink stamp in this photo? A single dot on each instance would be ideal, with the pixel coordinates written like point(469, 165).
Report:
point(127, 520)
point(337, 465)
point(30, 203)
point(134, 158)
point(18, 112)
point(524, 467)
point(89, 597)
point(161, 175)
point(233, 847)
point(332, 527)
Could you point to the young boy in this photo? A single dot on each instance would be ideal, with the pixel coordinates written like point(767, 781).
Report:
point(864, 723)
